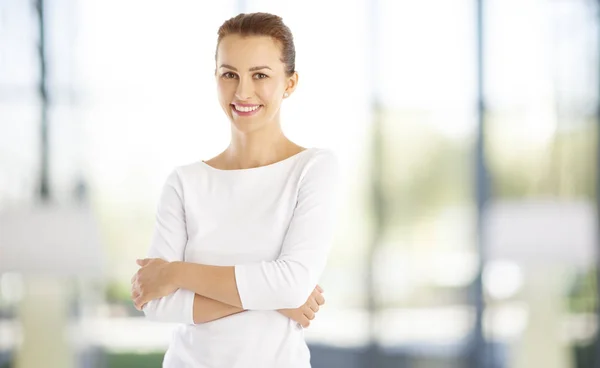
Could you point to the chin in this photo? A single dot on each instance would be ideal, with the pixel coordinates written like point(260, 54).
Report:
point(247, 125)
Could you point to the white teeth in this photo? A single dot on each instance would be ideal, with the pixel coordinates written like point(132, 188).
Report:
point(246, 109)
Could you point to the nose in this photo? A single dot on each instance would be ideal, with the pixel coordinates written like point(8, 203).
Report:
point(245, 89)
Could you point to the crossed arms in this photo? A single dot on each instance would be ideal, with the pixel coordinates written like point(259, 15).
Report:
point(175, 291)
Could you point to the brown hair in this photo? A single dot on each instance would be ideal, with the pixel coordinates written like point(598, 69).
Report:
point(263, 24)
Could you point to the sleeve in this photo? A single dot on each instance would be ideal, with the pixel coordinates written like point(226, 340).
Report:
point(168, 243)
point(288, 281)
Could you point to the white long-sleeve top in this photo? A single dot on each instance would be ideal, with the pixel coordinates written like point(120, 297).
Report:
point(275, 225)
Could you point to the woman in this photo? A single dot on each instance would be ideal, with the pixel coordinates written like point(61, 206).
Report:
point(246, 234)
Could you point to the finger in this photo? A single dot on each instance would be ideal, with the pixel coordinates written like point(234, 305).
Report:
point(319, 289)
point(320, 299)
point(135, 285)
point(305, 322)
point(133, 278)
point(136, 302)
point(140, 301)
point(142, 262)
point(308, 313)
point(313, 306)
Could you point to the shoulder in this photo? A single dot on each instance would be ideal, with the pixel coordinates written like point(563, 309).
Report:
point(179, 175)
point(320, 163)
point(322, 157)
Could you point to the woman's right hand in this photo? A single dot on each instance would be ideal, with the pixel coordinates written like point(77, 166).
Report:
point(306, 313)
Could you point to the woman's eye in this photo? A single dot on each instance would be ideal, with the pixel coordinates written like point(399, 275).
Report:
point(229, 75)
point(260, 76)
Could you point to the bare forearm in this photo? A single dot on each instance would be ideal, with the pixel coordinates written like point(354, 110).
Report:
point(216, 290)
point(213, 282)
point(207, 310)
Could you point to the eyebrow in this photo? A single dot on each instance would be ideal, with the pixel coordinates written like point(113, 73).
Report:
point(254, 68)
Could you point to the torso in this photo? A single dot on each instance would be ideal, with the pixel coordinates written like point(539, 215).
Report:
point(236, 217)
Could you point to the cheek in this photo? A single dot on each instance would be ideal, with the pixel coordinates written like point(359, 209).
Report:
point(224, 91)
point(269, 92)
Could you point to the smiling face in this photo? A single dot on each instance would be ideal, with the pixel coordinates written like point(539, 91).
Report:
point(251, 80)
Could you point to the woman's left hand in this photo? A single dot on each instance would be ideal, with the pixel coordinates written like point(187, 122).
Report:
point(152, 281)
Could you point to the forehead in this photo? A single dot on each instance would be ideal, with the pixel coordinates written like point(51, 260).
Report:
point(243, 52)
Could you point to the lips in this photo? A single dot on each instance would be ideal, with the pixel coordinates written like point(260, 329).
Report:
point(245, 109)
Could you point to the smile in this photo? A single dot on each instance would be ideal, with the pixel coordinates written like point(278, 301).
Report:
point(245, 110)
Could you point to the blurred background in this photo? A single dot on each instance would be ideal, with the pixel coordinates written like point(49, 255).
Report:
point(468, 136)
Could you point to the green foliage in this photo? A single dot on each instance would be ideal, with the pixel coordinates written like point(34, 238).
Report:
point(132, 360)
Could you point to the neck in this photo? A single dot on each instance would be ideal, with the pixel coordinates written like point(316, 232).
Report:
point(258, 148)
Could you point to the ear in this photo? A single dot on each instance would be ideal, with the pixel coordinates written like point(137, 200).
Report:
point(292, 83)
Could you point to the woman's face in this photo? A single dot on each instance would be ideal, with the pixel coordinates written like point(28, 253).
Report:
point(251, 80)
